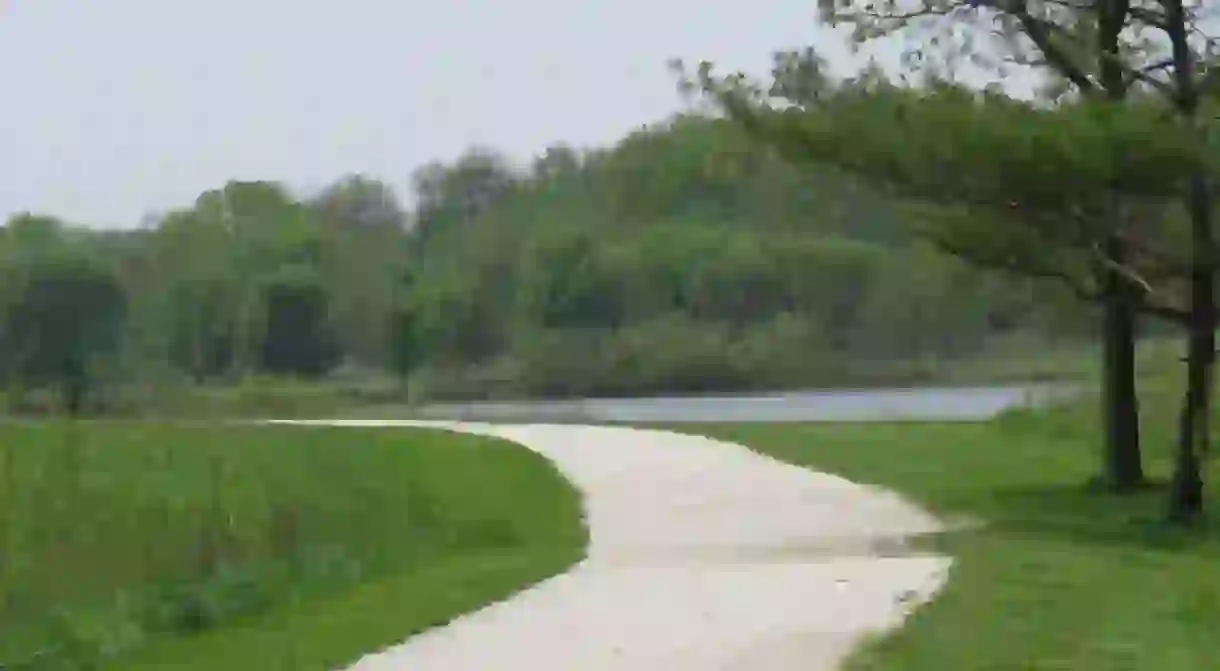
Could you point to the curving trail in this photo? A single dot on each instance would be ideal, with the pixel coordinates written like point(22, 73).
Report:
point(703, 556)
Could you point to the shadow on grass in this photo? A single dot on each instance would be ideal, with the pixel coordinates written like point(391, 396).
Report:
point(1085, 515)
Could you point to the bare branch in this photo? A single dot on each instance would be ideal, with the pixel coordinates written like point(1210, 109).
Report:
point(1159, 65)
point(1148, 17)
point(1164, 311)
point(1145, 15)
point(909, 16)
point(1122, 269)
point(1040, 32)
point(1015, 265)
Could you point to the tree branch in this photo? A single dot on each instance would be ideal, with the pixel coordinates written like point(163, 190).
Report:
point(1013, 265)
point(916, 14)
point(1147, 301)
point(1149, 17)
point(1163, 311)
point(1040, 32)
point(1123, 269)
point(1043, 34)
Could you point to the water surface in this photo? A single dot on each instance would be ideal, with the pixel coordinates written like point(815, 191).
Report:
point(934, 404)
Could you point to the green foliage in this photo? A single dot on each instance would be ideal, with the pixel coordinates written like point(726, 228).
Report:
point(27, 236)
point(407, 352)
point(209, 281)
point(456, 316)
point(64, 320)
point(566, 283)
point(364, 251)
point(984, 175)
point(452, 196)
point(1081, 190)
point(296, 338)
point(202, 331)
point(556, 277)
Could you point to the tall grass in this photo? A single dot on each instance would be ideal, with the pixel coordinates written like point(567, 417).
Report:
point(115, 534)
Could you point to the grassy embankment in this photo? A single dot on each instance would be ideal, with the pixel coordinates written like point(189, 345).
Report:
point(1061, 577)
point(149, 546)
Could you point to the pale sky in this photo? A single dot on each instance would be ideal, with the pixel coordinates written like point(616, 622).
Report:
point(114, 108)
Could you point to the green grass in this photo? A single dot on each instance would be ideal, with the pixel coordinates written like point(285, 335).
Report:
point(258, 397)
point(138, 545)
point(1062, 576)
point(173, 397)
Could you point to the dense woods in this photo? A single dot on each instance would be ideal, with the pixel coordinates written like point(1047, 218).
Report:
point(685, 258)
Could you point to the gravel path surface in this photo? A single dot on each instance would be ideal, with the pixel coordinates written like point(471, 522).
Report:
point(703, 556)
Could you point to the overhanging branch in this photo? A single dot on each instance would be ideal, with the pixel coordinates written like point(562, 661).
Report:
point(1040, 33)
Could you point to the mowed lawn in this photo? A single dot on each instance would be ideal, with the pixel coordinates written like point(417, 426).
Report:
point(156, 546)
point(1062, 577)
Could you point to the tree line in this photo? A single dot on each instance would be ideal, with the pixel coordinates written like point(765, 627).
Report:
point(687, 257)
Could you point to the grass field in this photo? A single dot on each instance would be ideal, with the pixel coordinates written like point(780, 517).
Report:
point(133, 546)
point(1062, 576)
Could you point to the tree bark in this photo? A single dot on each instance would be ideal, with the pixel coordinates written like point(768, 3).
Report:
point(1194, 434)
point(1124, 470)
point(74, 388)
point(1186, 490)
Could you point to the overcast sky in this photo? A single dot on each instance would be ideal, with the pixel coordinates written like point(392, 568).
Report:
point(114, 108)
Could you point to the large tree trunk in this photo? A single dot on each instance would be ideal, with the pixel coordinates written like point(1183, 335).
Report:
point(1124, 470)
point(1186, 488)
point(73, 390)
point(1186, 491)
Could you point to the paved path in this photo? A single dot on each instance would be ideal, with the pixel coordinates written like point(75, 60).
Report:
point(703, 556)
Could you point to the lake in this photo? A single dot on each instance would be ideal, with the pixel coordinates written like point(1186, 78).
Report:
point(939, 404)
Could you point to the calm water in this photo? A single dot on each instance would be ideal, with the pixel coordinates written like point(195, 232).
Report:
point(945, 404)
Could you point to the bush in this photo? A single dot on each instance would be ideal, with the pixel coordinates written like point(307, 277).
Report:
point(562, 362)
point(788, 351)
point(671, 354)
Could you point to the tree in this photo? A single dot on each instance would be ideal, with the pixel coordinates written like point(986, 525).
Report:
point(295, 338)
point(407, 350)
point(66, 318)
point(359, 201)
point(364, 251)
point(202, 332)
point(214, 258)
point(1002, 164)
point(564, 284)
point(450, 196)
point(23, 238)
point(556, 163)
point(1103, 49)
point(26, 235)
point(1189, 85)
